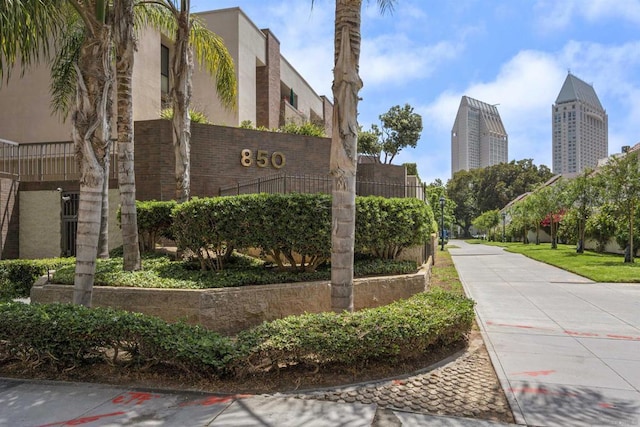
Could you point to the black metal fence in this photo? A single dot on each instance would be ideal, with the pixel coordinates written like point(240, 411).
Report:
point(284, 183)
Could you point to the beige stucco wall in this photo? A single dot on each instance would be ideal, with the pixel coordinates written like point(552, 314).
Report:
point(40, 223)
point(146, 77)
point(246, 45)
point(230, 310)
point(308, 100)
point(25, 108)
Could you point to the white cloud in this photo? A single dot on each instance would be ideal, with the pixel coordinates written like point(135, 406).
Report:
point(555, 15)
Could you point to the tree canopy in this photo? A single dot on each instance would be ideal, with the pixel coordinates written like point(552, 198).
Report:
point(400, 128)
point(480, 190)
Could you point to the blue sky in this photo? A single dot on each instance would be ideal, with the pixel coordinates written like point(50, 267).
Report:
point(429, 54)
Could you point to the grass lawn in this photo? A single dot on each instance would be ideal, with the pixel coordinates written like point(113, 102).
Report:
point(444, 274)
point(592, 265)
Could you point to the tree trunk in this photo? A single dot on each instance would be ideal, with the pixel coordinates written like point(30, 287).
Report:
point(581, 231)
point(181, 72)
point(631, 248)
point(125, 48)
point(344, 141)
point(103, 236)
point(91, 130)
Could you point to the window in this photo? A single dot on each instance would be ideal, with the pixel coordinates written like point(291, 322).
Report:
point(164, 69)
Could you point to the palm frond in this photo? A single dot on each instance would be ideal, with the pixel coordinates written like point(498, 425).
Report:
point(63, 72)
point(26, 28)
point(156, 16)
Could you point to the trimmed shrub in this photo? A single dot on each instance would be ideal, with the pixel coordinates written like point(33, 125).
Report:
point(386, 226)
point(281, 225)
point(65, 336)
point(154, 221)
point(295, 229)
point(17, 276)
point(402, 330)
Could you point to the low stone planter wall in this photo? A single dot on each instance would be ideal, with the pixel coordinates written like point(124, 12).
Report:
point(230, 310)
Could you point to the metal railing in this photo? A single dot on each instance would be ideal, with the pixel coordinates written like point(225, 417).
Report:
point(284, 183)
point(48, 161)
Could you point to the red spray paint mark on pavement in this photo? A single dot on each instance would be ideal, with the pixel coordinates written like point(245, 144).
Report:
point(398, 382)
point(581, 334)
point(83, 420)
point(214, 400)
point(606, 405)
point(535, 373)
point(135, 397)
point(510, 325)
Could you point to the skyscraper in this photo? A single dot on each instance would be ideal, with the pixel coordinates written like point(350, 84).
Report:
point(580, 128)
point(478, 138)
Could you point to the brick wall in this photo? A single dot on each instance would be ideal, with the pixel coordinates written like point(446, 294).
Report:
point(268, 85)
point(216, 153)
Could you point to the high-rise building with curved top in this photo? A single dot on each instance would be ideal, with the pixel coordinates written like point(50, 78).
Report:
point(478, 137)
point(580, 128)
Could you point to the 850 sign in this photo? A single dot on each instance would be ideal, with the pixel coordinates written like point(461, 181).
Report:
point(262, 159)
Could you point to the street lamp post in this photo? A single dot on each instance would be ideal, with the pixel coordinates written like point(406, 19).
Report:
point(442, 222)
point(504, 216)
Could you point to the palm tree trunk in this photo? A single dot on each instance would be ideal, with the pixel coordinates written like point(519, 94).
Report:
point(181, 72)
point(125, 48)
point(343, 162)
point(103, 236)
point(91, 130)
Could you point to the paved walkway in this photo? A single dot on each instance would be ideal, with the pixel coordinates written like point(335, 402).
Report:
point(566, 350)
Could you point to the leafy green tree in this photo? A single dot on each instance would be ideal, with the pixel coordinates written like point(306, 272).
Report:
point(369, 142)
point(462, 190)
point(434, 192)
point(485, 189)
point(401, 128)
point(601, 225)
point(487, 222)
point(583, 194)
point(622, 175)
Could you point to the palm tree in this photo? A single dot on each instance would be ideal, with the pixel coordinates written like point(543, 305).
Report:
point(211, 53)
point(344, 147)
point(125, 46)
point(27, 29)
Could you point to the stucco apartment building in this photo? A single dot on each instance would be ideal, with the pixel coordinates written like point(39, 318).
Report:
point(270, 91)
point(38, 172)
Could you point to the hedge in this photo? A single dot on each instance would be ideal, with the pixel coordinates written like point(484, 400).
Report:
point(283, 225)
point(63, 336)
point(399, 331)
point(17, 276)
point(154, 220)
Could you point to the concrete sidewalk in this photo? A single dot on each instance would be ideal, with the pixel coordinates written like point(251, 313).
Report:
point(57, 404)
point(566, 350)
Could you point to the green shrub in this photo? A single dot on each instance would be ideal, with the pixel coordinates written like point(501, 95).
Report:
point(399, 331)
point(281, 225)
point(386, 226)
point(65, 336)
point(154, 221)
point(161, 272)
point(17, 276)
point(195, 115)
point(295, 229)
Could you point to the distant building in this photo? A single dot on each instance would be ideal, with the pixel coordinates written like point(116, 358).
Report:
point(580, 128)
point(478, 137)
